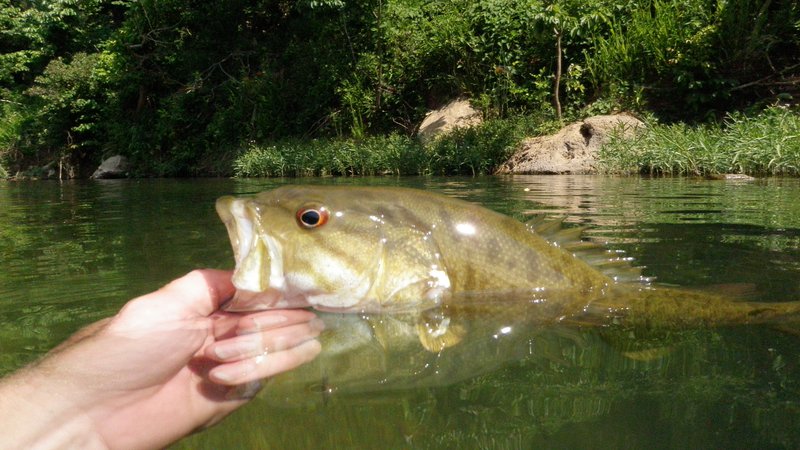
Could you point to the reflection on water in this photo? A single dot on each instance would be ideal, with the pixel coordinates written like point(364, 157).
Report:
point(74, 252)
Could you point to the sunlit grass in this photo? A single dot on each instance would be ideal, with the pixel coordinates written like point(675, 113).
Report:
point(764, 144)
point(383, 155)
point(472, 151)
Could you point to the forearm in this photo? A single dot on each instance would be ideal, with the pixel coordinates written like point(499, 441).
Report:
point(34, 415)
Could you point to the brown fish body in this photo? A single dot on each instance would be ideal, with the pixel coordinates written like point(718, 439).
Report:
point(398, 250)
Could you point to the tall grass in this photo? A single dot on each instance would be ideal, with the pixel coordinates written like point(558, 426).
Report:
point(382, 155)
point(471, 151)
point(764, 144)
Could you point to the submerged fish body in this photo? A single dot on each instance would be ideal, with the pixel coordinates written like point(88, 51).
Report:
point(435, 258)
point(384, 249)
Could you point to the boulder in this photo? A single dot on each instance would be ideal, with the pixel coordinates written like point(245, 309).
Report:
point(114, 167)
point(572, 150)
point(456, 114)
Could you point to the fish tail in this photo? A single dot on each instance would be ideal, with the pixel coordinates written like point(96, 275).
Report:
point(678, 308)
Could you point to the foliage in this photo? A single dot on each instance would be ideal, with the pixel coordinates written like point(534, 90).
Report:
point(764, 144)
point(691, 59)
point(52, 79)
point(393, 154)
point(470, 151)
point(10, 125)
point(69, 96)
point(179, 87)
point(479, 150)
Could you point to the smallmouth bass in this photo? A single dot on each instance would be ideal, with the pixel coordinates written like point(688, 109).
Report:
point(416, 253)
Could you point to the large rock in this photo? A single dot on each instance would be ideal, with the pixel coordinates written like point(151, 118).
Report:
point(572, 150)
point(456, 114)
point(114, 167)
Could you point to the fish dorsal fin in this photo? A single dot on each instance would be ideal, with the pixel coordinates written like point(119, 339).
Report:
point(612, 263)
point(554, 231)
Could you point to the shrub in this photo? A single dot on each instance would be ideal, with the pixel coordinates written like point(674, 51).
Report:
point(465, 151)
point(764, 144)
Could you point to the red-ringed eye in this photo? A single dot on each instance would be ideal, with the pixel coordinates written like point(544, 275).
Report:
point(312, 217)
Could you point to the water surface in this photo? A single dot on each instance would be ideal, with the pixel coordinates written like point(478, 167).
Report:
point(74, 252)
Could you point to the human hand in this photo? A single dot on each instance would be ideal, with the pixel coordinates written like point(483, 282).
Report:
point(167, 364)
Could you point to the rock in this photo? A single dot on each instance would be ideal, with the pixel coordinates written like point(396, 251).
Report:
point(572, 150)
point(114, 167)
point(456, 114)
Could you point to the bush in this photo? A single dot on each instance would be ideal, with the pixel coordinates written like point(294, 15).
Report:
point(179, 88)
point(764, 144)
point(10, 130)
point(479, 150)
point(465, 151)
point(69, 98)
point(693, 59)
point(393, 154)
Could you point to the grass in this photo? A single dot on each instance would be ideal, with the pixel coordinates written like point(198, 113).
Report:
point(763, 144)
point(381, 155)
point(767, 143)
point(471, 151)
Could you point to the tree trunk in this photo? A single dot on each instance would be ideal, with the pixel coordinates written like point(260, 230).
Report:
point(557, 86)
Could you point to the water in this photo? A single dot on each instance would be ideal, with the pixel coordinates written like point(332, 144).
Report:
point(72, 253)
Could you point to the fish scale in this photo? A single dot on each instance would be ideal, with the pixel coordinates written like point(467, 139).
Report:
point(407, 251)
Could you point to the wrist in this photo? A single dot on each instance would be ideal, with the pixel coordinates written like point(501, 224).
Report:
point(38, 415)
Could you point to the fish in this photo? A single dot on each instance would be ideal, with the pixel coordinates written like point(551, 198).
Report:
point(440, 262)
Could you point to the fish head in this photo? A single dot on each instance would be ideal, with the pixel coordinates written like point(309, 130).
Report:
point(331, 248)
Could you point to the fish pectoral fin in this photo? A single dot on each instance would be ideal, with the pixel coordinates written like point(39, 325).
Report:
point(379, 333)
point(438, 331)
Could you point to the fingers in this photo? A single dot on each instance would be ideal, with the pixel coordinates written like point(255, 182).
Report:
point(265, 365)
point(201, 292)
point(255, 344)
point(180, 303)
point(227, 325)
point(263, 345)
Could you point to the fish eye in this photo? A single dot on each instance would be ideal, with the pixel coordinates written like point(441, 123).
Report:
point(312, 217)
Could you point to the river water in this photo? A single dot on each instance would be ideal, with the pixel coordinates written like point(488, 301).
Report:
point(74, 252)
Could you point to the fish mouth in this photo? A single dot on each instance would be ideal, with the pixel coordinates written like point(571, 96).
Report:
point(258, 275)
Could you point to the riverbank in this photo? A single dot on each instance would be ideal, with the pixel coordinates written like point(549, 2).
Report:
point(767, 143)
point(762, 144)
point(464, 151)
point(180, 89)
